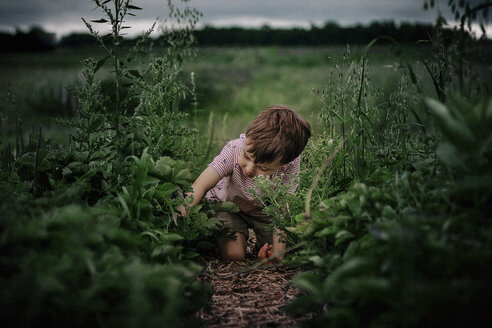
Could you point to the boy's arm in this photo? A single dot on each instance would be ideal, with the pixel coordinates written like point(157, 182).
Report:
point(206, 181)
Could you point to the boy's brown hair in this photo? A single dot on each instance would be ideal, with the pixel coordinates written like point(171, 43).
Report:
point(277, 132)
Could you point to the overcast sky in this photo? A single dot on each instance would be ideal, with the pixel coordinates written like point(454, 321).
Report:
point(64, 16)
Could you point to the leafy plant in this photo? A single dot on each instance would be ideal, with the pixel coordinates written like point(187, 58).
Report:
point(89, 231)
point(378, 251)
point(405, 245)
point(116, 19)
point(466, 149)
point(74, 264)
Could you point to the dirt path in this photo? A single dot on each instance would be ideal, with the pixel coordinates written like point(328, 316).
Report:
point(249, 298)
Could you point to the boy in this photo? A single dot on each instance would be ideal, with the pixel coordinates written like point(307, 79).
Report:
point(271, 147)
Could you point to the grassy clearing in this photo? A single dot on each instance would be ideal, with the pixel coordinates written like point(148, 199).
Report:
point(233, 83)
point(236, 83)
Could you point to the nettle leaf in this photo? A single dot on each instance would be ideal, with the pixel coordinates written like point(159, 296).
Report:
point(135, 73)
point(164, 191)
point(77, 166)
point(172, 237)
point(150, 234)
point(368, 288)
point(454, 129)
point(102, 20)
point(317, 260)
point(351, 250)
point(100, 63)
point(200, 220)
point(184, 174)
point(227, 207)
point(26, 160)
point(389, 212)
point(149, 181)
point(352, 267)
point(163, 166)
point(299, 218)
point(190, 255)
point(166, 250)
point(123, 203)
point(326, 232)
point(342, 236)
point(66, 171)
point(213, 223)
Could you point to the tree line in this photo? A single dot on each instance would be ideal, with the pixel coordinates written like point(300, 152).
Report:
point(330, 33)
point(36, 39)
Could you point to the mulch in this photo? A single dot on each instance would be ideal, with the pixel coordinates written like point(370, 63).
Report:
point(248, 295)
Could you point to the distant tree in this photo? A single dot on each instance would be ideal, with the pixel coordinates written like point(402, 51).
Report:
point(330, 33)
point(36, 39)
point(77, 40)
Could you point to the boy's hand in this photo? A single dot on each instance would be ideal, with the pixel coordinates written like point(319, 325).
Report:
point(181, 211)
point(265, 252)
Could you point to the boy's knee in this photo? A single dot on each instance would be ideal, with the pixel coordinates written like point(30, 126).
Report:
point(233, 255)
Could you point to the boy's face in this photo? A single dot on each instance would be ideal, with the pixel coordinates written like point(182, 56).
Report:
point(247, 163)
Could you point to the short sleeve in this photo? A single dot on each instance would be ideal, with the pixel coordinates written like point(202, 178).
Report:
point(224, 162)
point(291, 174)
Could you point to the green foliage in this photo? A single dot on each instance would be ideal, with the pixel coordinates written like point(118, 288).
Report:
point(466, 149)
point(406, 244)
point(148, 207)
point(279, 202)
point(416, 273)
point(89, 231)
point(373, 124)
point(399, 233)
point(75, 265)
point(145, 107)
point(157, 121)
point(418, 240)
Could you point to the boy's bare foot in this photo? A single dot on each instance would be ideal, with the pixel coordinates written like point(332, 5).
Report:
point(265, 252)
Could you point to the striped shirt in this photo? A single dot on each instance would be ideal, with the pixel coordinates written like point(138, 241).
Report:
point(234, 184)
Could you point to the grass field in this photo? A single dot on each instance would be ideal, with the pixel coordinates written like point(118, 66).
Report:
point(232, 83)
point(240, 82)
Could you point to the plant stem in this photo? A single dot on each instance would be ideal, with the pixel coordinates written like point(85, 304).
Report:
point(117, 69)
point(36, 163)
point(328, 161)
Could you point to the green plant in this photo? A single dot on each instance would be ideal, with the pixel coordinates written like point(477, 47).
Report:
point(278, 202)
point(89, 231)
point(459, 52)
point(466, 149)
point(374, 126)
point(75, 265)
point(405, 245)
point(399, 244)
point(116, 17)
point(411, 240)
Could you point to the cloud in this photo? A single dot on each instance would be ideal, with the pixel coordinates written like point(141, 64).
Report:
point(64, 16)
point(258, 21)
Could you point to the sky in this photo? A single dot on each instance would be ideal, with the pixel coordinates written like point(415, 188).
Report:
point(64, 16)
